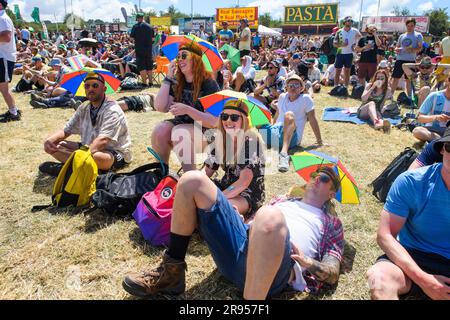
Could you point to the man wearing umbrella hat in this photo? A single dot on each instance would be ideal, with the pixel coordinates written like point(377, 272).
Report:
point(102, 126)
point(143, 35)
point(414, 233)
point(292, 242)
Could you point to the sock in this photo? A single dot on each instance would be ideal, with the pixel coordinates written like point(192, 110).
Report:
point(178, 246)
point(13, 111)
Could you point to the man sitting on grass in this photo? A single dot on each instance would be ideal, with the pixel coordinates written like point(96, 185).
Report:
point(293, 242)
point(101, 124)
point(293, 110)
point(414, 233)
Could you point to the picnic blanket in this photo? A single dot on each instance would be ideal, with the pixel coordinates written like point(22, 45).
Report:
point(349, 115)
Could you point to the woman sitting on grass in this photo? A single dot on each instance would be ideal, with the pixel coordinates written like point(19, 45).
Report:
point(237, 149)
point(374, 97)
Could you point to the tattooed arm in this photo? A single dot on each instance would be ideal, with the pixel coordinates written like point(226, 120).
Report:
point(325, 271)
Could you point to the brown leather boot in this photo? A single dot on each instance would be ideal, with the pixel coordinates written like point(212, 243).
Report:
point(168, 278)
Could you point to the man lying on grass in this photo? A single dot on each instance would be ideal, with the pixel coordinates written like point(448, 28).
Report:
point(101, 124)
point(293, 242)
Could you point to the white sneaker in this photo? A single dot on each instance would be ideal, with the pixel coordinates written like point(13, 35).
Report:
point(283, 162)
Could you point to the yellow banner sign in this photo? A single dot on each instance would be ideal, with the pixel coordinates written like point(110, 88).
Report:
point(161, 21)
point(233, 15)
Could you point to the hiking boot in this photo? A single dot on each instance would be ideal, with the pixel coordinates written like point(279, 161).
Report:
point(8, 116)
point(51, 168)
point(283, 162)
point(168, 278)
point(38, 104)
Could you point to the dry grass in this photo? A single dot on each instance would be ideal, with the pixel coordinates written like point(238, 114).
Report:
point(62, 255)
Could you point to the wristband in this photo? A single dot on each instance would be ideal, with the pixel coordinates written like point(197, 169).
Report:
point(169, 80)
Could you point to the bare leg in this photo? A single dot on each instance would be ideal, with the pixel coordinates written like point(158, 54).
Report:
point(143, 75)
point(394, 84)
point(387, 281)
point(423, 94)
point(65, 149)
point(268, 234)
point(58, 92)
point(369, 111)
point(104, 160)
point(187, 140)
point(150, 76)
point(288, 131)
point(241, 204)
point(337, 77)
point(239, 81)
point(161, 140)
point(423, 134)
point(9, 99)
point(346, 76)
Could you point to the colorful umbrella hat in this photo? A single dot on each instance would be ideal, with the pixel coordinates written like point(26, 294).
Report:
point(210, 55)
point(234, 55)
point(74, 81)
point(305, 163)
point(258, 112)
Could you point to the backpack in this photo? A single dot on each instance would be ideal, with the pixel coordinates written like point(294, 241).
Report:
point(23, 86)
point(326, 46)
point(391, 110)
point(119, 193)
point(339, 91)
point(153, 214)
point(382, 184)
point(75, 183)
point(357, 92)
point(131, 83)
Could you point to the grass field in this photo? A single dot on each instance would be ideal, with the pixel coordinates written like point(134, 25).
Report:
point(66, 255)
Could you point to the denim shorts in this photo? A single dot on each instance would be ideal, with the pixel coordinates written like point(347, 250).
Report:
point(227, 237)
point(274, 133)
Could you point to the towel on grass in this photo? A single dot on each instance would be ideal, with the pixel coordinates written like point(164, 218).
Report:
point(349, 115)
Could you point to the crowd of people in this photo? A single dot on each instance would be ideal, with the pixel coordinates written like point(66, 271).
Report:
point(291, 241)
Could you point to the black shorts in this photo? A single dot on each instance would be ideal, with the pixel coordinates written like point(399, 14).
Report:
point(6, 70)
point(144, 62)
point(398, 70)
point(245, 53)
point(429, 262)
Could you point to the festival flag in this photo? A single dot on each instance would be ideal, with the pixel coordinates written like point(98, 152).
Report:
point(17, 12)
point(35, 15)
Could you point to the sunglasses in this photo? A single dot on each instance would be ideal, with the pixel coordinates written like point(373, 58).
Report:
point(425, 67)
point(447, 147)
point(94, 85)
point(381, 78)
point(323, 177)
point(270, 68)
point(294, 85)
point(182, 56)
point(233, 117)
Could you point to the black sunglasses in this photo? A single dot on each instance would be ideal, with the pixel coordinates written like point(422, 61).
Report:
point(94, 85)
point(233, 117)
point(447, 147)
point(323, 177)
point(182, 56)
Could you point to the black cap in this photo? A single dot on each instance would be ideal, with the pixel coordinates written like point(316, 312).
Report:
point(445, 138)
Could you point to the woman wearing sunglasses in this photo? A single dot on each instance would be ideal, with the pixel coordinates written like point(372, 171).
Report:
point(186, 82)
point(374, 97)
point(238, 151)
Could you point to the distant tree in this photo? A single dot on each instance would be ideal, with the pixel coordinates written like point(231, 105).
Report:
point(265, 19)
point(439, 21)
point(401, 12)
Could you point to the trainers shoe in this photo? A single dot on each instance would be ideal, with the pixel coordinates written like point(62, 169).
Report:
point(168, 278)
point(283, 162)
point(51, 168)
point(8, 116)
point(35, 97)
point(38, 104)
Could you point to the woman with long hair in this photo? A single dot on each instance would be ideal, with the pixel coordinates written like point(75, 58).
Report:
point(186, 82)
point(374, 97)
point(238, 150)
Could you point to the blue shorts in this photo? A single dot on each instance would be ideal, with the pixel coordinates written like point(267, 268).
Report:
point(274, 133)
point(344, 60)
point(227, 238)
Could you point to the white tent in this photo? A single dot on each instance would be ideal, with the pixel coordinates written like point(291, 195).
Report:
point(267, 31)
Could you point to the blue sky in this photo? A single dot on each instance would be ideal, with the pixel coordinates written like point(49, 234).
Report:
point(109, 9)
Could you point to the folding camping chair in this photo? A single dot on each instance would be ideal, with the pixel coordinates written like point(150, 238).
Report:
point(162, 68)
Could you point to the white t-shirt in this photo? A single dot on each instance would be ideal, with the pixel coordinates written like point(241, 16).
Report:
point(202, 35)
point(331, 72)
point(300, 107)
point(245, 45)
point(305, 224)
point(293, 45)
point(314, 74)
point(349, 36)
point(7, 49)
point(283, 72)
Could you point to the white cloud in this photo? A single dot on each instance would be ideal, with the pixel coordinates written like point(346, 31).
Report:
point(425, 6)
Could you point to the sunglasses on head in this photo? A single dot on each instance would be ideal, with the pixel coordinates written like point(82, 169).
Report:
point(233, 117)
point(94, 85)
point(447, 147)
point(182, 56)
point(294, 85)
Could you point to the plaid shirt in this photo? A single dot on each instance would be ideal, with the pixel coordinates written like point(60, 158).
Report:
point(332, 242)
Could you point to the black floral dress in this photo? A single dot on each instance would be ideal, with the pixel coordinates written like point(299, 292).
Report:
point(253, 159)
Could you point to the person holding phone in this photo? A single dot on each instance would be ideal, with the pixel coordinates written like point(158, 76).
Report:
point(374, 97)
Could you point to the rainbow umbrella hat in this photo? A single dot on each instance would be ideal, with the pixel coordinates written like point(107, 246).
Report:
point(74, 81)
point(258, 113)
point(305, 163)
point(211, 58)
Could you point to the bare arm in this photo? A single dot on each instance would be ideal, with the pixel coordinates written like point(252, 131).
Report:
point(367, 92)
point(245, 178)
point(407, 68)
point(163, 100)
point(99, 144)
point(423, 118)
point(314, 126)
point(50, 145)
point(5, 36)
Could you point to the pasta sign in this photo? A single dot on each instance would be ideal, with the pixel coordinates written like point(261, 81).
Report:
point(311, 14)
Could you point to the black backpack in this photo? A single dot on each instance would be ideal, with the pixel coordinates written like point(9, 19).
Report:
point(326, 46)
point(357, 91)
point(382, 184)
point(339, 91)
point(119, 194)
point(23, 86)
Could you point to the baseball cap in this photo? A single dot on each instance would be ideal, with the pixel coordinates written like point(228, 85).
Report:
point(70, 45)
point(348, 18)
point(296, 56)
point(36, 58)
point(139, 15)
point(63, 47)
point(445, 138)
point(55, 62)
point(94, 76)
point(275, 63)
point(310, 61)
point(383, 64)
